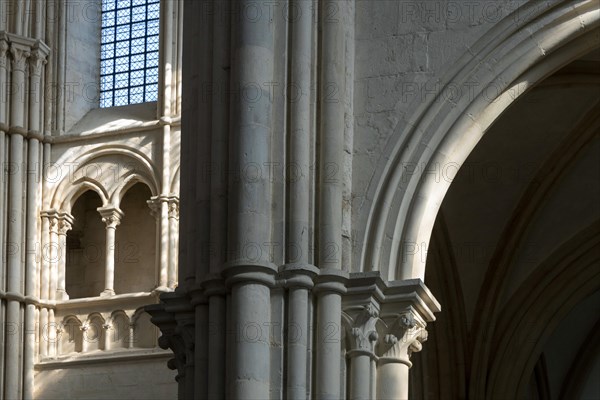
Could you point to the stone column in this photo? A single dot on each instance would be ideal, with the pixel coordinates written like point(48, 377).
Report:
point(155, 204)
point(131, 341)
point(250, 270)
point(251, 304)
point(111, 216)
point(332, 83)
point(163, 241)
point(49, 250)
point(84, 342)
point(54, 250)
point(173, 242)
point(299, 280)
point(65, 222)
point(20, 54)
point(404, 337)
point(3, 132)
point(36, 63)
point(361, 339)
point(106, 327)
point(215, 291)
point(329, 287)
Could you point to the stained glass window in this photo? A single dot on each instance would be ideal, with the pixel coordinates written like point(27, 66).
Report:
point(129, 52)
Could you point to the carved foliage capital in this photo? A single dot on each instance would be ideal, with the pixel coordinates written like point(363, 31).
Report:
point(52, 216)
point(174, 209)
point(111, 216)
point(3, 50)
point(363, 330)
point(64, 223)
point(404, 334)
point(20, 54)
point(154, 205)
point(36, 61)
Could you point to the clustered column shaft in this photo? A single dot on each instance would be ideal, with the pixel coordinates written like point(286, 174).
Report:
point(22, 61)
point(276, 313)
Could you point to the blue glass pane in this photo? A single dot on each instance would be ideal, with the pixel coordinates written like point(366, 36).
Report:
point(138, 30)
point(122, 64)
point(108, 47)
point(137, 58)
point(122, 80)
point(137, 95)
point(138, 14)
point(121, 97)
point(123, 16)
point(152, 76)
point(107, 54)
point(108, 35)
point(152, 44)
point(152, 60)
point(151, 92)
point(107, 67)
point(106, 82)
point(106, 100)
point(153, 27)
point(123, 32)
point(108, 5)
point(108, 19)
point(123, 3)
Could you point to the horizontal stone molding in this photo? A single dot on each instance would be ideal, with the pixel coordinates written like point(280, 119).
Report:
point(106, 357)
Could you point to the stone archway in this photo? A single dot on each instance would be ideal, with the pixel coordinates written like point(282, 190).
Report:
point(518, 54)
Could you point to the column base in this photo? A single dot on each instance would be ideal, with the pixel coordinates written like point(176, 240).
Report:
point(107, 292)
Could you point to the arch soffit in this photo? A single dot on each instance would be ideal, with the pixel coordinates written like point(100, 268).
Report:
point(495, 284)
point(521, 54)
point(571, 271)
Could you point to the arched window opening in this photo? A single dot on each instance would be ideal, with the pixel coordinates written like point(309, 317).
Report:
point(71, 336)
point(86, 256)
point(93, 334)
point(135, 252)
point(119, 333)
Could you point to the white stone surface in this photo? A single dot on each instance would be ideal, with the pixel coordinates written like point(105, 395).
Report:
point(396, 99)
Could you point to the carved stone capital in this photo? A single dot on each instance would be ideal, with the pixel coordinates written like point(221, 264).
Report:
point(154, 204)
point(3, 50)
point(20, 54)
point(362, 330)
point(36, 61)
point(64, 223)
point(111, 216)
point(403, 334)
point(174, 209)
point(52, 216)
